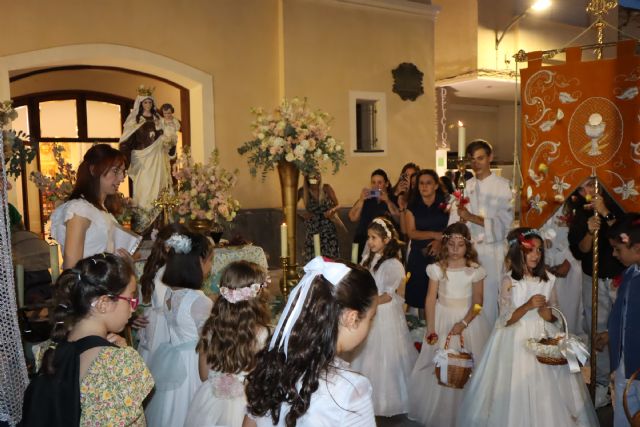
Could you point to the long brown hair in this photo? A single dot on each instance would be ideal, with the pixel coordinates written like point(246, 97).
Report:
point(95, 164)
point(391, 249)
point(518, 249)
point(470, 254)
point(230, 336)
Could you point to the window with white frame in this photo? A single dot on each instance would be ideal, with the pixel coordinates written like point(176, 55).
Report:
point(368, 122)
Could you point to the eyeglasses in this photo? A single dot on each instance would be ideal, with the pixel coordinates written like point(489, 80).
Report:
point(133, 302)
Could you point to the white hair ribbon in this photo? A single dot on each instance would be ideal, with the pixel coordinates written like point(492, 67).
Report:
point(334, 272)
point(383, 224)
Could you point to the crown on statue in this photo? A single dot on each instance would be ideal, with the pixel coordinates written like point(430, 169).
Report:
point(145, 91)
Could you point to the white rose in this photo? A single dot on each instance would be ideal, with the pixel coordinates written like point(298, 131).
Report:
point(289, 157)
point(261, 135)
point(299, 151)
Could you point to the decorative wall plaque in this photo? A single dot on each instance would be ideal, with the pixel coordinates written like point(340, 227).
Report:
point(407, 81)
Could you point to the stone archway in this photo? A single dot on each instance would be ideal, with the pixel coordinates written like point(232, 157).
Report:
point(198, 83)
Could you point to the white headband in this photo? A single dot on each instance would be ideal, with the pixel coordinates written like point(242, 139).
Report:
point(383, 224)
point(334, 272)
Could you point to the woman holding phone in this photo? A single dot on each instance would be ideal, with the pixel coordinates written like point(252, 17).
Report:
point(374, 201)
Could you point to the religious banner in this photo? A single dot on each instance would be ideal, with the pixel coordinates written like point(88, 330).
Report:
point(579, 119)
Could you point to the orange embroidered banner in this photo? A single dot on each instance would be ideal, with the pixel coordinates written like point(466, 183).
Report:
point(579, 119)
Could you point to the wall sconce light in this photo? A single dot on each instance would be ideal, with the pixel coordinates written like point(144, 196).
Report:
point(536, 6)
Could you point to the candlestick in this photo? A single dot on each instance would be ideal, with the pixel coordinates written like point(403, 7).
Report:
point(354, 253)
point(54, 261)
point(20, 284)
point(283, 240)
point(462, 136)
point(316, 244)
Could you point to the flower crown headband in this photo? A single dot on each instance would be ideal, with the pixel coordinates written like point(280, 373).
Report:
point(523, 238)
point(242, 294)
point(180, 243)
point(381, 222)
point(334, 272)
point(449, 236)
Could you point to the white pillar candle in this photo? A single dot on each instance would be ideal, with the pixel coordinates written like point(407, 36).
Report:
point(54, 261)
point(283, 240)
point(316, 244)
point(20, 284)
point(462, 136)
point(354, 253)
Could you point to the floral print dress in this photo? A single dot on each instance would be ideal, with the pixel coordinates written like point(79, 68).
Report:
point(112, 391)
point(319, 224)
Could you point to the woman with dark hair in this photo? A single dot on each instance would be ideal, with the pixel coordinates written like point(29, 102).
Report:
point(174, 364)
point(300, 379)
point(373, 202)
point(425, 220)
point(84, 224)
point(88, 375)
point(405, 185)
point(321, 204)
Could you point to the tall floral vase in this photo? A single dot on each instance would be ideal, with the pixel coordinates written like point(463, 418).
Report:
point(289, 174)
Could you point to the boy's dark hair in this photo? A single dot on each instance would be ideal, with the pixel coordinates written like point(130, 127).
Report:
point(185, 270)
point(477, 145)
point(629, 225)
point(167, 107)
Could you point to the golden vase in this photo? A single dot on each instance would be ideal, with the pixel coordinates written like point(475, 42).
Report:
point(289, 174)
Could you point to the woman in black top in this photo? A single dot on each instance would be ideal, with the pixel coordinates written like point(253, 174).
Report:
point(373, 202)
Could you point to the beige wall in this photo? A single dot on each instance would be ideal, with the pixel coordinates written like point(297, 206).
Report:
point(456, 38)
point(329, 49)
point(333, 48)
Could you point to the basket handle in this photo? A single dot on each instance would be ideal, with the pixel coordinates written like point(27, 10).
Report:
point(625, 404)
point(564, 320)
point(446, 343)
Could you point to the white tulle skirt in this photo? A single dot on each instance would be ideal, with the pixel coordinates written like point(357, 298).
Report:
point(511, 388)
point(430, 403)
point(220, 401)
point(386, 358)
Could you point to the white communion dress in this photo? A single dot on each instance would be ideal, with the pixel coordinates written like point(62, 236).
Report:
point(509, 386)
point(430, 403)
point(387, 356)
point(174, 365)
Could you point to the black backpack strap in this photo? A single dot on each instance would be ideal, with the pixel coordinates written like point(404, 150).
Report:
point(86, 343)
point(54, 401)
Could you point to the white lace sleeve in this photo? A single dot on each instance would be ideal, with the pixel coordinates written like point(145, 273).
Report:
point(201, 310)
point(391, 274)
point(359, 405)
point(505, 302)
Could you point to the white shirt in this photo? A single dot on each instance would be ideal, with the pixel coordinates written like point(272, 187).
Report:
point(491, 198)
point(99, 236)
point(343, 399)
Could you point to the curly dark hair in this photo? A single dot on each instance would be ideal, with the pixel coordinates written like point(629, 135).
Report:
point(391, 249)
point(229, 337)
point(77, 288)
point(157, 259)
point(311, 349)
point(515, 258)
point(470, 255)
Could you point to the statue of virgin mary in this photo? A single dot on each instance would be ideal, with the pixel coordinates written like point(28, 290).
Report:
point(149, 157)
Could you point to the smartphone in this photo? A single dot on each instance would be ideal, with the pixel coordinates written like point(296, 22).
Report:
point(374, 193)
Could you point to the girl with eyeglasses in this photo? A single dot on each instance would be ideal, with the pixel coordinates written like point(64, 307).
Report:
point(84, 225)
point(174, 364)
point(89, 376)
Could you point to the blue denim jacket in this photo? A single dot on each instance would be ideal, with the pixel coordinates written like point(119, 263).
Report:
point(629, 319)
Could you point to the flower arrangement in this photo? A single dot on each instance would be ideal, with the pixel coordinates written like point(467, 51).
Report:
point(204, 190)
point(60, 185)
point(292, 133)
point(18, 147)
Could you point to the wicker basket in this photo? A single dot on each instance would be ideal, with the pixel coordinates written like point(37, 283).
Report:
point(634, 419)
point(457, 375)
point(547, 360)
